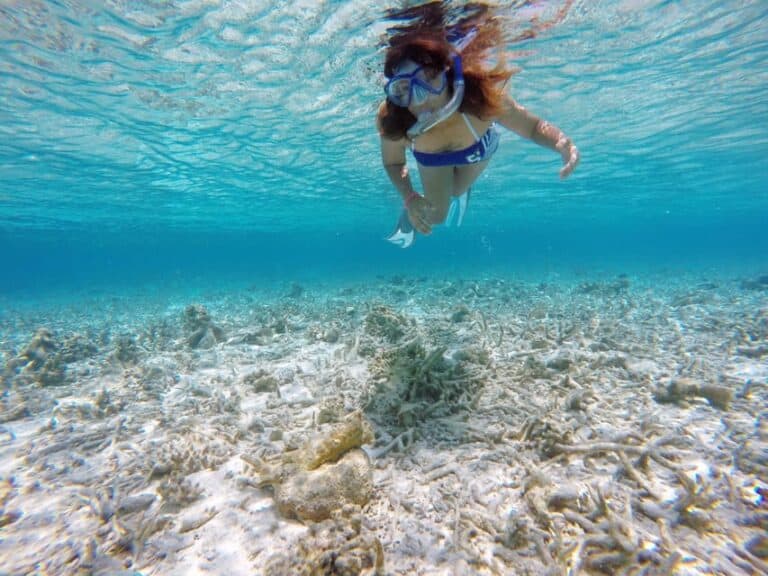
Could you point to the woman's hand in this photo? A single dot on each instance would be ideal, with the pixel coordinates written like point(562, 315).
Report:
point(418, 213)
point(570, 155)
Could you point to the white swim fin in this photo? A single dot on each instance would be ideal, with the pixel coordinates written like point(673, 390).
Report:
point(404, 234)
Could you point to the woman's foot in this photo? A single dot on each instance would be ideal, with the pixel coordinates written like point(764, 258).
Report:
point(457, 209)
point(404, 234)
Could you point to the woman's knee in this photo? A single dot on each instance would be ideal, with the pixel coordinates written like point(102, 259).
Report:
point(438, 214)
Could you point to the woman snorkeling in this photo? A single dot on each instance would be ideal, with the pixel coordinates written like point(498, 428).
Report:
point(445, 102)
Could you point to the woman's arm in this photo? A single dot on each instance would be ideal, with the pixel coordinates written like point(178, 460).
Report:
point(393, 158)
point(516, 118)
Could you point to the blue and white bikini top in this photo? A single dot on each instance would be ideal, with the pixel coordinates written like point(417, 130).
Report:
point(482, 149)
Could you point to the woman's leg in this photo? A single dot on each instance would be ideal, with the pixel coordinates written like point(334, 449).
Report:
point(442, 182)
point(438, 186)
point(465, 176)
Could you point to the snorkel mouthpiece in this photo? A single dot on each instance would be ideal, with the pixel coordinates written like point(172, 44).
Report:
point(429, 120)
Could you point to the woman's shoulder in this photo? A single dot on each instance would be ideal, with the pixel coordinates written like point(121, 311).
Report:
point(510, 106)
point(381, 112)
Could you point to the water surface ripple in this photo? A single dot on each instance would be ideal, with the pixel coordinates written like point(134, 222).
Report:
point(259, 115)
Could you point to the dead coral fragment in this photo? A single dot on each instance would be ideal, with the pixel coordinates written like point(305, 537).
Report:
point(678, 391)
point(77, 347)
point(194, 520)
point(615, 288)
point(261, 381)
point(10, 412)
point(78, 409)
point(40, 360)
point(323, 448)
point(137, 503)
point(413, 384)
point(330, 410)
point(178, 492)
point(126, 351)
point(339, 546)
point(37, 352)
point(546, 434)
point(203, 332)
point(383, 322)
point(187, 453)
point(461, 314)
point(329, 447)
point(752, 458)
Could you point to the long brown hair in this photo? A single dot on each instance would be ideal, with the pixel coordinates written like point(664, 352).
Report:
point(421, 35)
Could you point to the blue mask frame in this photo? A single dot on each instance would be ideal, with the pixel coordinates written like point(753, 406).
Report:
point(418, 89)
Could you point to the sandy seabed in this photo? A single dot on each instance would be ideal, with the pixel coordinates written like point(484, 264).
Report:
point(398, 426)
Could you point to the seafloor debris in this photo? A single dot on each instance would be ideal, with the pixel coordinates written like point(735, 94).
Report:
point(296, 290)
point(618, 286)
point(331, 445)
point(39, 361)
point(326, 473)
point(758, 546)
point(178, 492)
point(383, 322)
point(753, 351)
point(540, 451)
point(338, 546)
point(613, 538)
point(759, 283)
point(77, 347)
point(195, 519)
point(12, 408)
point(137, 503)
point(37, 352)
point(752, 455)
point(412, 384)
point(127, 352)
point(79, 409)
point(183, 453)
point(7, 516)
point(159, 334)
point(461, 314)
point(681, 389)
point(330, 409)
point(261, 381)
point(545, 434)
point(314, 495)
point(202, 332)
point(693, 298)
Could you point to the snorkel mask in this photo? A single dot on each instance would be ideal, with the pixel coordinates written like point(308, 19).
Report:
point(428, 120)
point(402, 89)
point(414, 87)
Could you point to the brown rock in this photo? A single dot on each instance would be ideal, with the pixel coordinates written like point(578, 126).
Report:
point(315, 495)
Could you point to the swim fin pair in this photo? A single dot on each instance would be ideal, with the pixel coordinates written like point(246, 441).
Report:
point(404, 234)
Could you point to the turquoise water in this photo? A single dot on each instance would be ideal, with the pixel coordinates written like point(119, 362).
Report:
point(194, 282)
point(148, 141)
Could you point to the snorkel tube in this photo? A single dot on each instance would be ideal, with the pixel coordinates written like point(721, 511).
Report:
point(429, 120)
